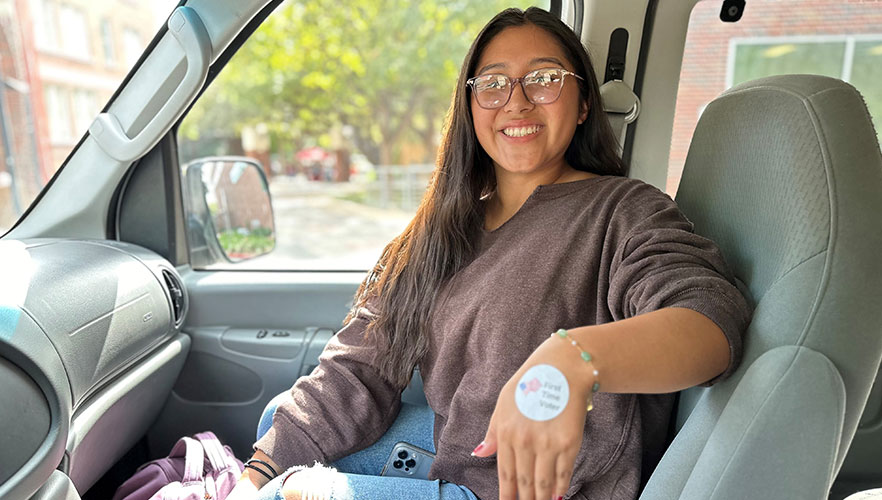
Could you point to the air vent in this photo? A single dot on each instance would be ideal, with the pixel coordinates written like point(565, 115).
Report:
point(177, 295)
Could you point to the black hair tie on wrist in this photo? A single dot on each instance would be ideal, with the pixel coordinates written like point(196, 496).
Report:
point(267, 465)
point(249, 466)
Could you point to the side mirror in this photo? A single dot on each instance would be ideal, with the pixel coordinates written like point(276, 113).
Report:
point(230, 215)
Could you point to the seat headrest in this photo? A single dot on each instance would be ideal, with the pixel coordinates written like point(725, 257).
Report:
point(759, 177)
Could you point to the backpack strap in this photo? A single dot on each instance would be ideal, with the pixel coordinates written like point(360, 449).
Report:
point(194, 458)
point(214, 450)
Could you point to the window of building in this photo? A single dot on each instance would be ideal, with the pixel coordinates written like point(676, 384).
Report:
point(132, 46)
point(60, 29)
point(107, 45)
point(85, 109)
point(74, 33)
point(45, 18)
point(59, 114)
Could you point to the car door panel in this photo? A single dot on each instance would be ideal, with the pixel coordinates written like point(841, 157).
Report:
point(109, 424)
point(254, 334)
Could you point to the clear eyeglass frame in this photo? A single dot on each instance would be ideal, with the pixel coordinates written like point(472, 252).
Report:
point(532, 84)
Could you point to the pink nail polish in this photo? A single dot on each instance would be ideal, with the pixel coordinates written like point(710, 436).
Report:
point(479, 448)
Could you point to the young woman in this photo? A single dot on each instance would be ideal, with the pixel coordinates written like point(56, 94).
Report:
point(550, 303)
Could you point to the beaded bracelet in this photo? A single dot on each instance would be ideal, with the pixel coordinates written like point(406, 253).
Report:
point(563, 334)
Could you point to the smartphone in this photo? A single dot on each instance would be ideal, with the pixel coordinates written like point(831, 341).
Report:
point(407, 460)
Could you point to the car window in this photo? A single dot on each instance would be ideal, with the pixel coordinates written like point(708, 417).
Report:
point(60, 61)
point(837, 38)
point(342, 106)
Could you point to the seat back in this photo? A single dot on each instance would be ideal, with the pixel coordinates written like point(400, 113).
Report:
point(785, 174)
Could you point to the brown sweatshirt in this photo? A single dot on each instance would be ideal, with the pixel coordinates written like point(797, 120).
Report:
point(575, 254)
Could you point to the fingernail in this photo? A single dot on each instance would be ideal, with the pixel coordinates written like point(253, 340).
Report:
point(559, 497)
point(479, 448)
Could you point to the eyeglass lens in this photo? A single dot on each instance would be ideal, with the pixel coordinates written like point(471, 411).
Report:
point(541, 87)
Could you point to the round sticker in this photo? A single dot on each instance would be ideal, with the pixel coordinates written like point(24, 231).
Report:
point(542, 393)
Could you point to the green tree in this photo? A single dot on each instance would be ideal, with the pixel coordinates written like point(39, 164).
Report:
point(382, 71)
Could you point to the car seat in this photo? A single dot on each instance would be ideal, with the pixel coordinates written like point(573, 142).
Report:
point(785, 174)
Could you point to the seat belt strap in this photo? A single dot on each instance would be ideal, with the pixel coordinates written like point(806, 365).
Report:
point(622, 107)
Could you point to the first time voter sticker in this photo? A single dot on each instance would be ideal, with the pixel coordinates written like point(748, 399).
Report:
point(542, 393)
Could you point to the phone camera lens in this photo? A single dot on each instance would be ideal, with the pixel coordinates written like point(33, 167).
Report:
point(398, 464)
point(410, 463)
point(402, 454)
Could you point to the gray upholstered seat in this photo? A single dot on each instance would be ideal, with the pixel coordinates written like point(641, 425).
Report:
point(785, 174)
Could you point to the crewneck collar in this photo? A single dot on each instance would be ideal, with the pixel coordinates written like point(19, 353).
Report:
point(548, 192)
point(551, 191)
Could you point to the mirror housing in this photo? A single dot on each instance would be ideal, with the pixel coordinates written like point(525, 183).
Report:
point(229, 210)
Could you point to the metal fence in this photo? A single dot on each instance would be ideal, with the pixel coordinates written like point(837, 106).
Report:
point(399, 186)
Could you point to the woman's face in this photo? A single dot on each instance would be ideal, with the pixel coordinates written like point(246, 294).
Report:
point(522, 137)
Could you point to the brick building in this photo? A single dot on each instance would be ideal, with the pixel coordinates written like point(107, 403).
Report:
point(841, 38)
point(61, 61)
point(237, 196)
point(20, 168)
point(84, 50)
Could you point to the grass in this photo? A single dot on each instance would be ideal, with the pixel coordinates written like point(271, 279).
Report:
point(247, 244)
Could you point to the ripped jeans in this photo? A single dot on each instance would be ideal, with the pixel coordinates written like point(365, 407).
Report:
point(356, 477)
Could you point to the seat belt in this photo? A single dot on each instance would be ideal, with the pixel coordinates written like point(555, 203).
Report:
point(622, 106)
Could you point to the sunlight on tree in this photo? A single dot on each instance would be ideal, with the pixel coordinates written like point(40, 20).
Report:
point(380, 73)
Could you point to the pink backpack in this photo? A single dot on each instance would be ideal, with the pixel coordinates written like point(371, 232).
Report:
point(196, 469)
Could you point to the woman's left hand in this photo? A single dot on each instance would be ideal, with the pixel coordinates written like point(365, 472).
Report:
point(535, 459)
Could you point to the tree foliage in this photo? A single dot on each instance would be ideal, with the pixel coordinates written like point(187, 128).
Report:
point(379, 73)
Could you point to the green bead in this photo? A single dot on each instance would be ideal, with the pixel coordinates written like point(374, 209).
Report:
point(562, 333)
point(586, 356)
point(595, 387)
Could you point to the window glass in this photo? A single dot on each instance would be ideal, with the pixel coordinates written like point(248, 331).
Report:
point(866, 75)
point(58, 106)
point(841, 39)
point(343, 108)
point(75, 35)
point(107, 45)
point(45, 15)
point(85, 108)
point(757, 59)
point(57, 69)
point(132, 46)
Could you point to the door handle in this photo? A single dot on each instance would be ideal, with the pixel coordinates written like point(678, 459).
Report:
point(190, 33)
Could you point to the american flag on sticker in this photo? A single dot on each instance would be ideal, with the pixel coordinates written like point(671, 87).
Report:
point(531, 386)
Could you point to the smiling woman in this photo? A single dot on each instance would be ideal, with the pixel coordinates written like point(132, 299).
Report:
point(527, 180)
point(526, 134)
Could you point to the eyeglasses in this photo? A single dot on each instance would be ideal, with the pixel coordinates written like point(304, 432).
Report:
point(542, 86)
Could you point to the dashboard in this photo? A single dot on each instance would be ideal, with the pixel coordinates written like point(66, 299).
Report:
point(90, 347)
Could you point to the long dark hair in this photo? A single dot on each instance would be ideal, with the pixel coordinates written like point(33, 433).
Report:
point(441, 238)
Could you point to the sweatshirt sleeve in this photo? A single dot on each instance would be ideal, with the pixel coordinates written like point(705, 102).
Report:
point(659, 262)
point(342, 407)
